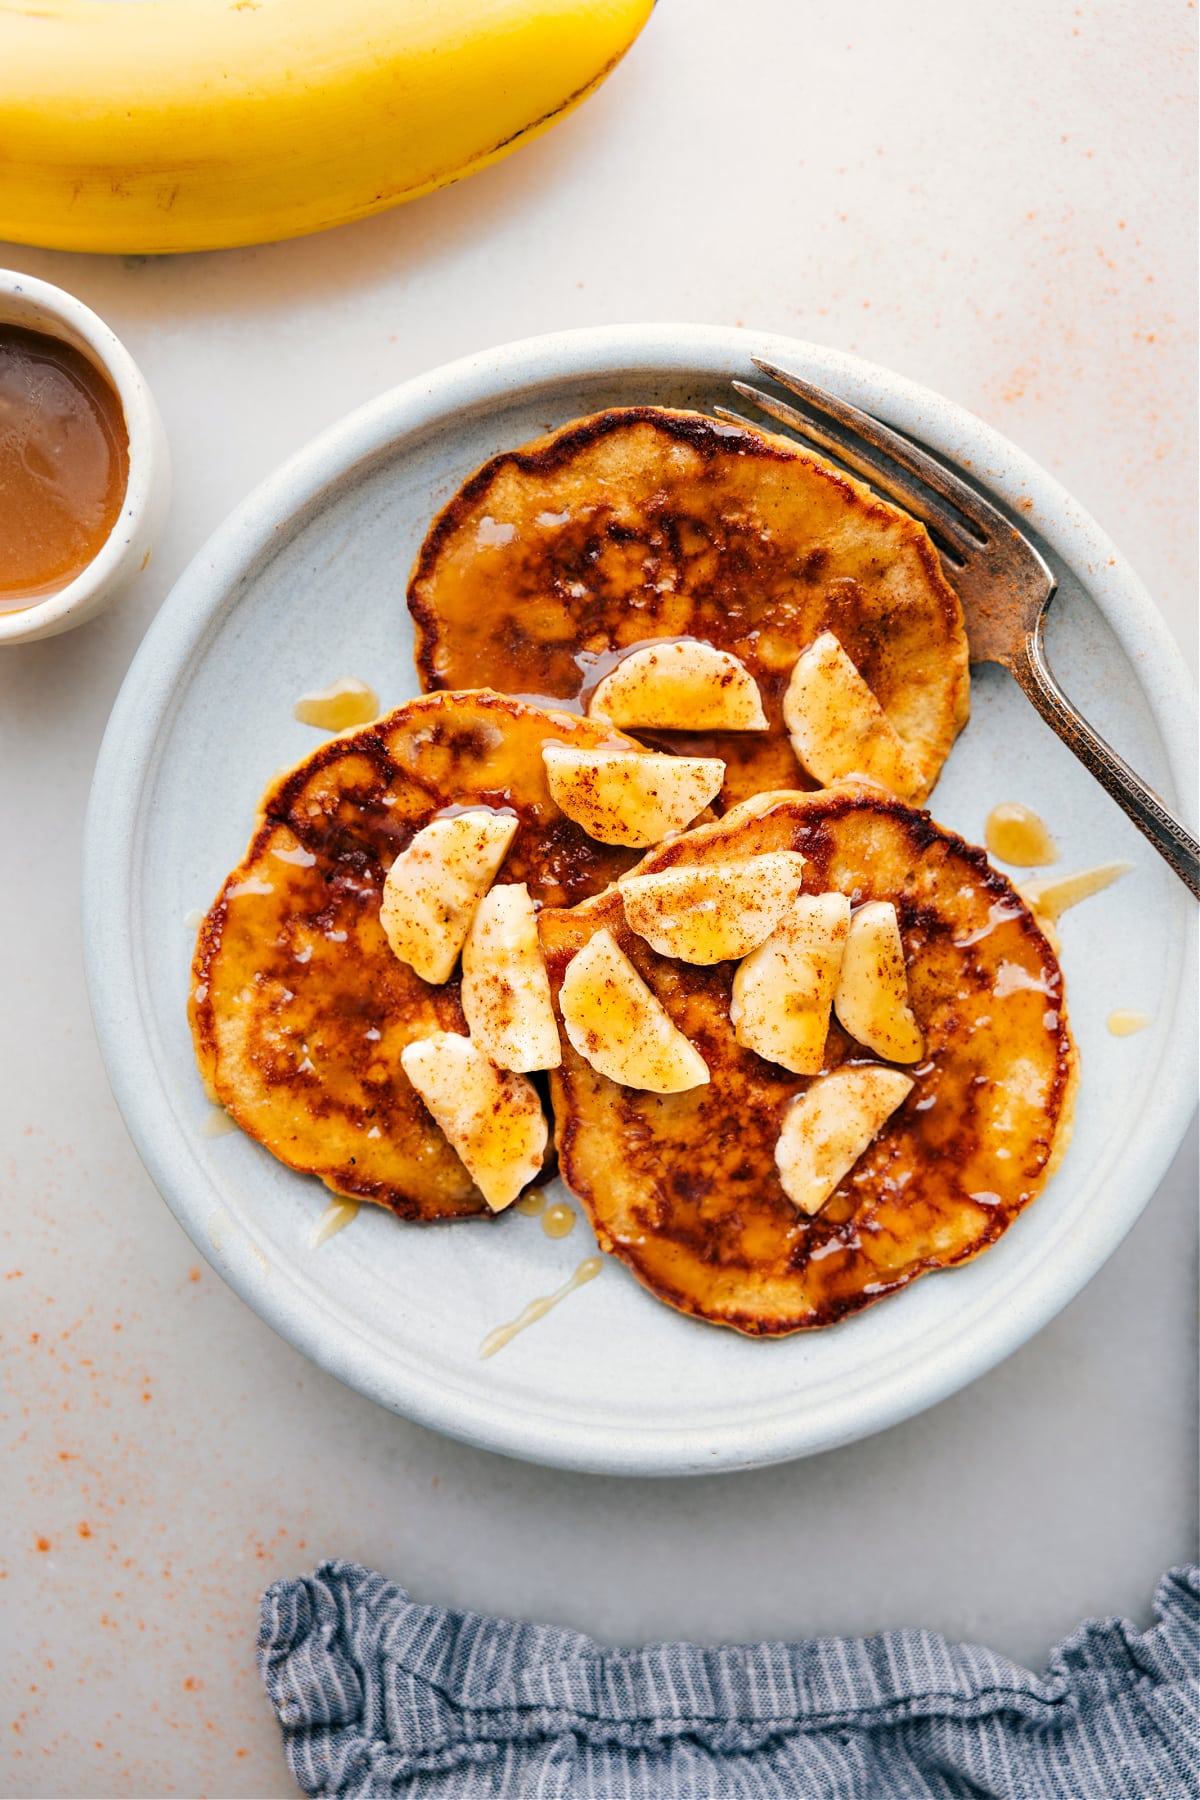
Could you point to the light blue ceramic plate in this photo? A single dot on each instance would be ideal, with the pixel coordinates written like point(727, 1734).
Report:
point(306, 583)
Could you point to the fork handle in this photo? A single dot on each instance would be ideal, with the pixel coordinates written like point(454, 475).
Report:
point(1170, 838)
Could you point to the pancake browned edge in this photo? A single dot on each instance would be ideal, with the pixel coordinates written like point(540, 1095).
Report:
point(643, 523)
point(299, 1009)
point(684, 1187)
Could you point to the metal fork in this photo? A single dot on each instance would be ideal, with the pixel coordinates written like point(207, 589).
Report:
point(1004, 585)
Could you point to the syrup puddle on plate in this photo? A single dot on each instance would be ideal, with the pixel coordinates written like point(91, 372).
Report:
point(336, 708)
point(337, 1215)
point(1123, 1023)
point(537, 1309)
point(219, 1123)
point(1051, 897)
point(558, 1221)
point(1014, 834)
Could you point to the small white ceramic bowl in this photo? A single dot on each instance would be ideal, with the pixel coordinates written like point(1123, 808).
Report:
point(36, 306)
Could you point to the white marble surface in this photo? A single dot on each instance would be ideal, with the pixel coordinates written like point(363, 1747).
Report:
point(995, 201)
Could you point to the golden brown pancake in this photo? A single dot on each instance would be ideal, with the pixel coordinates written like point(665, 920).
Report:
point(644, 523)
point(684, 1188)
point(299, 1009)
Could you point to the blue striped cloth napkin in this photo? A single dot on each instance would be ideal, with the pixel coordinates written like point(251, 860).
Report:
point(379, 1697)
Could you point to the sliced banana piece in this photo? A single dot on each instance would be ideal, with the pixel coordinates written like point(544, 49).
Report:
point(492, 1119)
point(837, 726)
point(827, 1128)
point(715, 914)
point(629, 796)
point(783, 991)
point(434, 886)
point(505, 988)
point(683, 686)
point(621, 1027)
point(871, 999)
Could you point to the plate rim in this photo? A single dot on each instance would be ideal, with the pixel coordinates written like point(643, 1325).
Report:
point(149, 691)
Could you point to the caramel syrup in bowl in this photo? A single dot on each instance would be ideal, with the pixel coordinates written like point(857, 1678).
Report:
point(64, 465)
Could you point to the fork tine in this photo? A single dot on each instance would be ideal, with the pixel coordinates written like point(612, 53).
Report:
point(977, 511)
point(944, 524)
point(724, 412)
point(812, 434)
point(952, 560)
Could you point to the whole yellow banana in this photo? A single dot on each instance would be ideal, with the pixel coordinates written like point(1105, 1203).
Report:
point(195, 124)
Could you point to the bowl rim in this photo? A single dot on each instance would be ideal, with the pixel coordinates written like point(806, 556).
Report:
point(40, 306)
point(481, 382)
